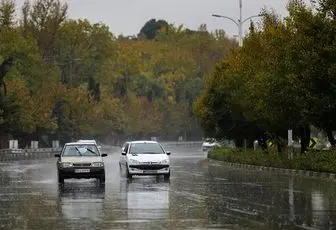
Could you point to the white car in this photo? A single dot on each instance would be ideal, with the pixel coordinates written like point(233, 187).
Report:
point(144, 158)
point(210, 143)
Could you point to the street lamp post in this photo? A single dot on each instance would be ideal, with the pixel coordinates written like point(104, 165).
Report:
point(239, 23)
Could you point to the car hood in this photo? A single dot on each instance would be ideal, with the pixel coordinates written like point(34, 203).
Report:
point(148, 157)
point(82, 159)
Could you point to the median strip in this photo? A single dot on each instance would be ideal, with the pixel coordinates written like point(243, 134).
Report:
point(316, 164)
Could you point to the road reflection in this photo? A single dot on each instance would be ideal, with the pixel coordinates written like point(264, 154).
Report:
point(146, 200)
point(78, 200)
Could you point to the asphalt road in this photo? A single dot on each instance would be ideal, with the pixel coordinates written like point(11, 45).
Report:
point(199, 195)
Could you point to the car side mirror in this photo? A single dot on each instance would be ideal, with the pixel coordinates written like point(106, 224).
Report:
point(104, 155)
point(123, 153)
point(57, 155)
point(168, 153)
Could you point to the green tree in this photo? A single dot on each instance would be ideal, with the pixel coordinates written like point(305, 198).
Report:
point(283, 77)
point(151, 28)
point(42, 20)
point(82, 50)
point(315, 34)
point(7, 11)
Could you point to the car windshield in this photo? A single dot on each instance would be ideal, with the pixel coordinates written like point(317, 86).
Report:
point(80, 150)
point(146, 148)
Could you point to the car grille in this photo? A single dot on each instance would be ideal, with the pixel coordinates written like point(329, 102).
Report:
point(149, 167)
point(81, 164)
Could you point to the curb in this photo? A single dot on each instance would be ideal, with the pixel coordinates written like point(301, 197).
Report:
point(295, 172)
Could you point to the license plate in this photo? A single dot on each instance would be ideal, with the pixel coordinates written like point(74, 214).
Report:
point(150, 171)
point(82, 170)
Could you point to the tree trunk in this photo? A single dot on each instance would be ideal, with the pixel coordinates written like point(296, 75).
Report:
point(262, 143)
point(305, 138)
point(250, 142)
point(239, 143)
point(331, 138)
point(279, 144)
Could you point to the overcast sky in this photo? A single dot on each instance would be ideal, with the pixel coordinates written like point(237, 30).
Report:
point(128, 16)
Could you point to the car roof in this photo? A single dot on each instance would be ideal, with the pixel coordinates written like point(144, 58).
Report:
point(143, 142)
point(87, 141)
point(79, 143)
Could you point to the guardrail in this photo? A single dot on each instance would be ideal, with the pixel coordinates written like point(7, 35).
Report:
point(42, 153)
point(166, 144)
point(27, 154)
point(185, 144)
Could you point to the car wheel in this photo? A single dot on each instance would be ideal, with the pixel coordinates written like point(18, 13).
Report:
point(60, 179)
point(128, 175)
point(102, 179)
point(167, 176)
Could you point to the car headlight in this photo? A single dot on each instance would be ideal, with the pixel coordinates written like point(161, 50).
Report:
point(165, 161)
point(97, 164)
point(67, 164)
point(134, 162)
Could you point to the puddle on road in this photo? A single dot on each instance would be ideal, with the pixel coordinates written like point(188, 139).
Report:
point(251, 184)
point(131, 221)
point(190, 173)
point(48, 181)
point(218, 178)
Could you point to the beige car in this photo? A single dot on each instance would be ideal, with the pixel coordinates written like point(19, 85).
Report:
point(80, 160)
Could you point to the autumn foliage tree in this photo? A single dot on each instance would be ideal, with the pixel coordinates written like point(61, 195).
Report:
point(74, 79)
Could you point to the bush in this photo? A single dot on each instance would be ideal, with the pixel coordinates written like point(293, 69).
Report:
point(319, 161)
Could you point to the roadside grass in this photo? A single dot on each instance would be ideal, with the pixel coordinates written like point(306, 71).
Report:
point(318, 161)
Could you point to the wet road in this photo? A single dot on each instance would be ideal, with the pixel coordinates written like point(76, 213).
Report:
point(199, 195)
